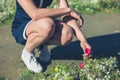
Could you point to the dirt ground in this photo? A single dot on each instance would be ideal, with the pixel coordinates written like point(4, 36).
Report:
point(94, 26)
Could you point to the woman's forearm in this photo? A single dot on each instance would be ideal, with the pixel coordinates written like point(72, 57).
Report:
point(44, 12)
point(79, 34)
point(63, 3)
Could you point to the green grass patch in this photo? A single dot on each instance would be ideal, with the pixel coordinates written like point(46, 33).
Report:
point(2, 78)
point(26, 75)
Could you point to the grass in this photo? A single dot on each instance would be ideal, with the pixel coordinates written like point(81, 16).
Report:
point(91, 69)
point(2, 78)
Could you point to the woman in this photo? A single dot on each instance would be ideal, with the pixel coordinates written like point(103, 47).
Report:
point(36, 26)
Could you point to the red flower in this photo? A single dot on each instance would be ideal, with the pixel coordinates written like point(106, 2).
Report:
point(81, 65)
point(88, 51)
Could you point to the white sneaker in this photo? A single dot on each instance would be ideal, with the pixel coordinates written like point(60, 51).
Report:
point(31, 62)
point(44, 54)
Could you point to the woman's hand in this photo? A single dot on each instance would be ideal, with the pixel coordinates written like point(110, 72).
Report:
point(84, 45)
point(78, 17)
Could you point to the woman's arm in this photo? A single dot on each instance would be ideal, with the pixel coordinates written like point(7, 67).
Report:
point(76, 16)
point(71, 20)
point(37, 13)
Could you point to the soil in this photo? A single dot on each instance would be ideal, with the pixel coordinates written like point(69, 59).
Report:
point(10, 51)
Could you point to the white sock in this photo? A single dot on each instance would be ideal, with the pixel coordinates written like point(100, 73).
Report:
point(24, 52)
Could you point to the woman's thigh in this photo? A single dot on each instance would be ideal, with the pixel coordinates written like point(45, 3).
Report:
point(42, 26)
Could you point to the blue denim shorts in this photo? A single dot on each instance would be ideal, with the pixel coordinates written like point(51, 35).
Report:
point(18, 31)
point(22, 20)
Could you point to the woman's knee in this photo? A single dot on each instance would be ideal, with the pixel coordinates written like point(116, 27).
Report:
point(47, 24)
point(67, 36)
point(45, 27)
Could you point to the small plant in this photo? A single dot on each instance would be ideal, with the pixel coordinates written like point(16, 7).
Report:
point(7, 10)
point(26, 75)
point(62, 73)
point(90, 69)
point(2, 78)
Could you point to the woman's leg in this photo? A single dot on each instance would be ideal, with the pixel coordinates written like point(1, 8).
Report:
point(63, 34)
point(37, 33)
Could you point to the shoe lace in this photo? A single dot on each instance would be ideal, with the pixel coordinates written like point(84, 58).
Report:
point(32, 59)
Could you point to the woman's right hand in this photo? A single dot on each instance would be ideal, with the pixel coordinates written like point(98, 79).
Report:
point(84, 45)
point(78, 17)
